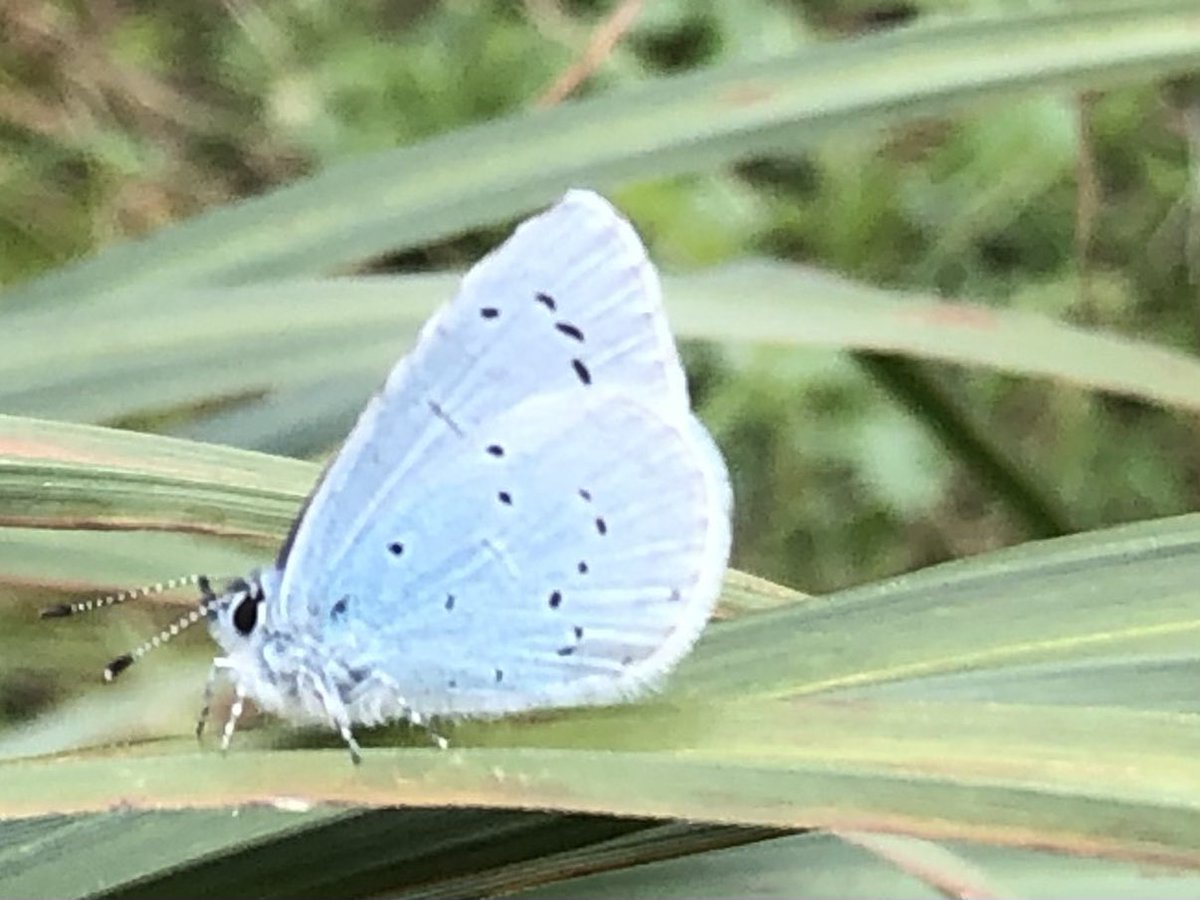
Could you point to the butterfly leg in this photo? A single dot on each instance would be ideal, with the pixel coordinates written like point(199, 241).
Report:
point(339, 718)
point(219, 665)
point(351, 743)
point(415, 718)
point(388, 703)
point(235, 713)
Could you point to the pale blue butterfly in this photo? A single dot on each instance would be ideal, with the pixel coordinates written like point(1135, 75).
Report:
point(527, 515)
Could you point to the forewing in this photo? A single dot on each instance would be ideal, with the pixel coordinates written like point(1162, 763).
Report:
point(568, 304)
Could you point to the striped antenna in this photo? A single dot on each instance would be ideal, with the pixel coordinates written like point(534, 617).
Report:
point(72, 609)
point(207, 599)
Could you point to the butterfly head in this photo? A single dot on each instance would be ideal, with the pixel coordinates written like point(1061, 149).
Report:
point(237, 614)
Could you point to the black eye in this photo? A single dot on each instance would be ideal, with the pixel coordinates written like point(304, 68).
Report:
point(245, 617)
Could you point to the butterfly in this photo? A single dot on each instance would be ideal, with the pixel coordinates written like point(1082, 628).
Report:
point(527, 515)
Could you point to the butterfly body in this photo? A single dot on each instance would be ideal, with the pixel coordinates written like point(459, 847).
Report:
point(527, 515)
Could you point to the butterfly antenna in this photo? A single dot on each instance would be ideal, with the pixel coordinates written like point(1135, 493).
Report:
point(71, 609)
point(191, 617)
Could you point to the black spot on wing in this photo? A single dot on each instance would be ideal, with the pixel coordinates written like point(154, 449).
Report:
point(495, 450)
point(395, 548)
point(569, 330)
point(582, 371)
point(449, 601)
point(555, 599)
point(505, 497)
point(489, 312)
point(601, 525)
point(546, 300)
point(339, 609)
point(577, 631)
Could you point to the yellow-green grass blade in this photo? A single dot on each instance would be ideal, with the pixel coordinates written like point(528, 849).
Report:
point(692, 122)
point(56, 475)
point(1088, 780)
point(1110, 595)
point(86, 562)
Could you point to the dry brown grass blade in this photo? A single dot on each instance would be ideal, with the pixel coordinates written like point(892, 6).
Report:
point(604, 39)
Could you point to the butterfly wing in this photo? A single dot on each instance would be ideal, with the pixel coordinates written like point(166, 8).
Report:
point(568, 301)
point(552, 365)
point(575, 568)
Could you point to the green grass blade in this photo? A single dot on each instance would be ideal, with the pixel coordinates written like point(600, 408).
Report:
point(1041, 513)
point(1001, 774)
point(188, 347)
point(56, 475)
point(1109, 595)
point(818, 865)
